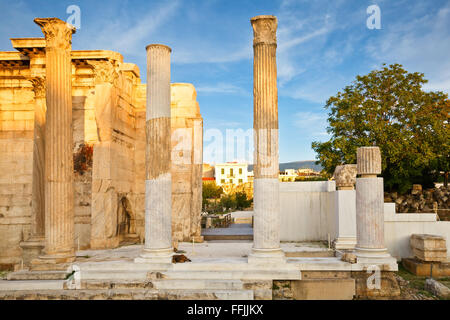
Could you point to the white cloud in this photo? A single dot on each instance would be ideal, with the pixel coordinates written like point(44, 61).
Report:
point(221, 88)
point(127, 35)
point(420, 44)
point(312, 124)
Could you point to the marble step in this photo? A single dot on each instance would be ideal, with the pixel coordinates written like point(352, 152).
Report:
point(37, 275)
point(123, 294)
point(172, 284)
point(30, 285)
point(191, 275)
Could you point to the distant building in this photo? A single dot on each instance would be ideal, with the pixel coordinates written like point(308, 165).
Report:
point(231, 173)
point(288, 175)
point(208, 171)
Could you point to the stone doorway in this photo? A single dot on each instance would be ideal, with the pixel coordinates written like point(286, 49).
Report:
point(126, 222)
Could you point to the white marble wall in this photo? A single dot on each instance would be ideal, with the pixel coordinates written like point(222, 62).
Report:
point(307, 210)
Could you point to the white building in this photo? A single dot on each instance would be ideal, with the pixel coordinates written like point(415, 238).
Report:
point(231, 172)
point(288, 175)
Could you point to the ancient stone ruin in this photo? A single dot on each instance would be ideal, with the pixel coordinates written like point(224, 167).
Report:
point(93, 158)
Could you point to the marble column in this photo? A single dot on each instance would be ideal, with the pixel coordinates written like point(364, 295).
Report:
point(345, 207)
point(33, 246)
point(158, 184)
point(59, 212)
point(370, 245)
point(266, 245)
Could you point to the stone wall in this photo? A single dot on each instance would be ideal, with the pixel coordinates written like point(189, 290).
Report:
point(187, 146)
point(16, 160)
point(114, 217)
point(105, 97)
point(418, 200)
point(307, 210)
point(109, 103)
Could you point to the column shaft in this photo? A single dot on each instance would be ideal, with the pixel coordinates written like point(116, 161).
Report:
point(38, 204)
point(265, 124)
point(158, 184)
point(59, 214)
point(370, 247)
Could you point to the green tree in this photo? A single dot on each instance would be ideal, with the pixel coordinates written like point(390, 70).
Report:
point(210, 190)
point(241, 200)
point(228, 202)
point(388, 108)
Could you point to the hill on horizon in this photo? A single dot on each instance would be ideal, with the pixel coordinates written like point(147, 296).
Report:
point(306, 164)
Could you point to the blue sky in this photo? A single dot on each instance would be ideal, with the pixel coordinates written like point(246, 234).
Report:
point(322, 46)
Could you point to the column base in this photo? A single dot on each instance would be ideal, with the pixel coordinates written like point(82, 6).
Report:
point(155, 256)
point(58, 261)
point(368, 256)
point(31, 249)
point(345, 243)
point(266, 256)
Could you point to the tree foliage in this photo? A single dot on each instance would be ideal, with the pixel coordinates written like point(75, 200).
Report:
point(389, 108)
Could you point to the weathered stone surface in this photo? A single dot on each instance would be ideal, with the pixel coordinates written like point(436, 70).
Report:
point(437, 288)
point(59, 212)
point(324, 289)
point(427, 247)
point(345, 176)
point(366, 285)
point(368, 161)
point(266, 243)
point(187, 146)
point(37, 275)
point(425, 269)
point(158, 190)
point(106, 96)
point(370, 246)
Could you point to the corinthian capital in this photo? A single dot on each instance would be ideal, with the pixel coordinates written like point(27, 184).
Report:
point(58, 34)
point(264, 29)
point(345, 176)
point(104, 72)
point(38, 86)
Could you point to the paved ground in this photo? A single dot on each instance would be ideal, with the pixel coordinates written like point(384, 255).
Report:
point(207, 249)
point(234, 229)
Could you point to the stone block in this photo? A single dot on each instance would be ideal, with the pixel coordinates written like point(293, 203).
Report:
point(428, 247)
point(424, 269)
point(437, 288)
point(366, 284)
point(324, 289)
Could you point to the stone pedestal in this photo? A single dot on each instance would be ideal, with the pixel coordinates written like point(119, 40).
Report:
point(59, 213)
point(370, 247)
point(158, 185)
point(266, 245)
point(428, 247)
point(345, 215)
point(345, 209)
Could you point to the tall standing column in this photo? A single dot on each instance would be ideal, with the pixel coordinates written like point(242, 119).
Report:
point(158, 184)
point(33, 247)
point(370, 245)
point(59, 213)
point(266, 245)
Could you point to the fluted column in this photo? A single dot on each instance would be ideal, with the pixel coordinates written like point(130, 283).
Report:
point(59, 214)
point(38, 204)
point(370, 245)
point(158, 184)
point(33, 246)
point(266, 245)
